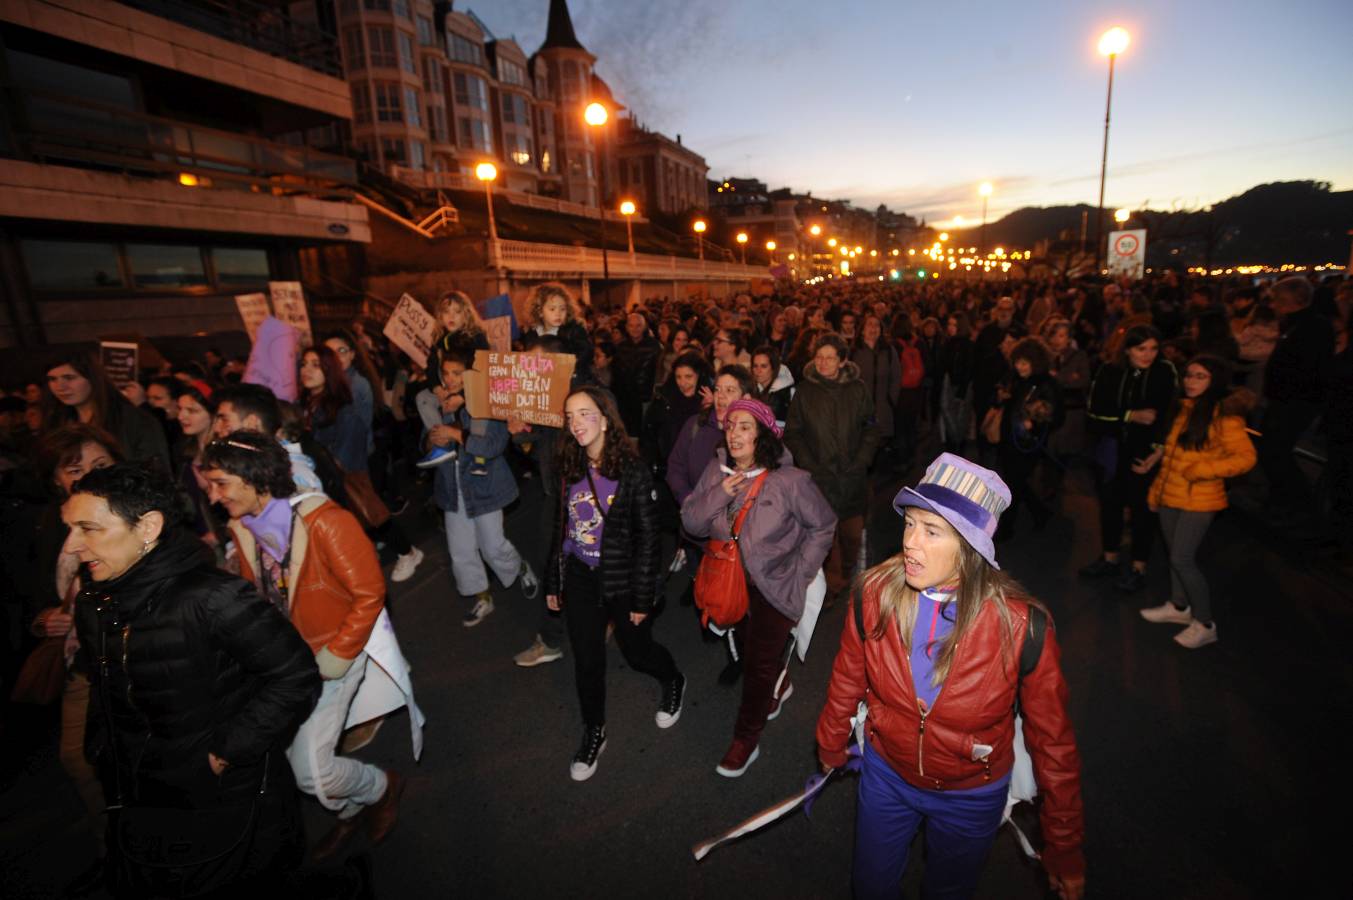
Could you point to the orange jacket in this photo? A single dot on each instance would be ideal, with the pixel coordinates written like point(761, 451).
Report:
point(975, 706)
point(336, 586)
point(1193, 480)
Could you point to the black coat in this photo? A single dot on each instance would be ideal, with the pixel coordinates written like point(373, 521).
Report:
point(634, 369)
point(629, 542)
point(187, 660)
point(1118, 389)
point(1298, 369)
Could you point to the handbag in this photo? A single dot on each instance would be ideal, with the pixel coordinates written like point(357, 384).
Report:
point(43, 674)
point(363, 500)
point(720, 582)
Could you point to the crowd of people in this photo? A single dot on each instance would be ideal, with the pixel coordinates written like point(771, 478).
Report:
point(197, 565)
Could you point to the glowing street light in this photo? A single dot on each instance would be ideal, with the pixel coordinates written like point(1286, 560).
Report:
point(1122, 216)
point(699, 227)
point(627, 209)
point(770, 251)
point(944, 235)
point(1111, 44)
point(831, 242)
point(815, 230)
point(595, 115)
point(487, 172)
point(742, 244)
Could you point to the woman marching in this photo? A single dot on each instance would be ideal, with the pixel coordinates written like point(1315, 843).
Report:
point(1207, 443)
point(935, 649)
point(783, 538)
point(604, 564)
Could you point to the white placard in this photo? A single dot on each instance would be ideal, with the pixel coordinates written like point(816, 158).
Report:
point(288, 305)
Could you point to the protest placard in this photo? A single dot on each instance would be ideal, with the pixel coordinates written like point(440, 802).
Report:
point(528, 386)
point(498, 332)
point(412, 329)
point(272, 361)
point(253, 310)
point(119, 362)
point(288, 305)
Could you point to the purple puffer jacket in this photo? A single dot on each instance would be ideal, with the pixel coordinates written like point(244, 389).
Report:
point(699, 437)
point(785, 537)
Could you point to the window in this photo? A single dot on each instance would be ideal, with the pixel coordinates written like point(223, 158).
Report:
point(436, 123)
point(381, 44)
point(432, 75)
point(166, 265)
point(407, 61)
point(474, 134)
point(387, 103)
point(393, 148)
point(470, 92)
point(411, 104)
point(71, 265)
point(240, 265)
point(518, 147)
point(416, 157)
point(377, 5)
point(402, 8)
point(545, 162)
point(426, 36)
point(353, 50)
point(511, 73)
point(361, 104)
point(465, 50)
point(571, 87)
point(514, 110)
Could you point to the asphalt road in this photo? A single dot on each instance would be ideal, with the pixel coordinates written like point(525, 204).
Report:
point(1211, 773)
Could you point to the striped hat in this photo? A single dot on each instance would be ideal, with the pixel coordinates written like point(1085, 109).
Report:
point(967, 496)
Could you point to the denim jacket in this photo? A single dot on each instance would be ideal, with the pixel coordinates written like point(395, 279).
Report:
point(485, 438)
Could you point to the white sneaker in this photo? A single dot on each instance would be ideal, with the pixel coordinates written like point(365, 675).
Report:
point(539, 652)
point(1168, 613)
point(405, 565)
point(479, 612)
point(1197, 635)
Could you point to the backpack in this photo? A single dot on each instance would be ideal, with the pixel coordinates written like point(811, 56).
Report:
point(913, 367)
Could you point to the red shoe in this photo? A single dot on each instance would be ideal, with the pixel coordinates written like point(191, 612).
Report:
point(382, 815)
point(778, 703)
point(737, 759)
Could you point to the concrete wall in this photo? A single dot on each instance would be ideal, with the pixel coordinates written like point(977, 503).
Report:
point(129, 32)
point(34, 191)
point(68, 321)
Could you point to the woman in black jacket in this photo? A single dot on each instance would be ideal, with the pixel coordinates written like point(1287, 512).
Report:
point(955, 362)
point(78, 390)
point(604, 564)
point(1030, 413)
point(1126, 418)
point(197, 686)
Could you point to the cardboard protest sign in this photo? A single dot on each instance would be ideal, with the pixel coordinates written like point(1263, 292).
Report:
point(253, 310)
point(272, 362)
point(119, 362)
point(498, 332)
point(412, 329)
point(288, 305)
point(528, 386)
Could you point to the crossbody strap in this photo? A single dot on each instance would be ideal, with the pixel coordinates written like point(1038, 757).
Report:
point(747, 505)
point(596, 497)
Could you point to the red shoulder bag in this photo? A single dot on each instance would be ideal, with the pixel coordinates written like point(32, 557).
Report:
point(720, 582)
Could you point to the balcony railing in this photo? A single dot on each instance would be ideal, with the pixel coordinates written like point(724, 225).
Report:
point(457, 181)
point(529, 258)
point(62, 129)
point(262, 27)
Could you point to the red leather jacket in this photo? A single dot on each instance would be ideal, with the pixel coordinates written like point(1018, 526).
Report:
point(974, 706)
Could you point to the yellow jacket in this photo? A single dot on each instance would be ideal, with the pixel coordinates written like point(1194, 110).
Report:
point(1193, 480)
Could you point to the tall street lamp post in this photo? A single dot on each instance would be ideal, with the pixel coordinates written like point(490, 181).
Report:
point(770, 251)
point(627, 210)
point(699, 228)
point(1111, 43)
point(742, 245)
point(487, 172)
point(596, 115)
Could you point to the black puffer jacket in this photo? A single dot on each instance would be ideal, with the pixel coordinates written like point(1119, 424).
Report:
point(190, 661)
point(629, 541)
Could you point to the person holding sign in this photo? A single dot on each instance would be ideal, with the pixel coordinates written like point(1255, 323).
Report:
point(604, 565)
point(473, 504)
point(464, 333)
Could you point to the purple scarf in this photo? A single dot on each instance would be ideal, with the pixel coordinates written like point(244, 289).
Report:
point(272, 527)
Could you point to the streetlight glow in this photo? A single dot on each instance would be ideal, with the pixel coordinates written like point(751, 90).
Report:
point(770, 245)
point(815, 230)
point(627, 207)
point(831, 242)
point(699, 226)
point(1114, 41)
point(595, 114)
point(984, 189)
point(486, 171)
point(742, 237)
point(1121, 216)
point(944, 235)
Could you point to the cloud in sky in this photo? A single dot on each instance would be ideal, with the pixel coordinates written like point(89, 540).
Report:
point(914, 104)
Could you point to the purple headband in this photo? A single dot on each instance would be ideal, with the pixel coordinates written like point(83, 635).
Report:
point(757, 410)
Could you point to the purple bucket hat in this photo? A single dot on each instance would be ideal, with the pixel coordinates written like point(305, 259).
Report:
point(965, 495)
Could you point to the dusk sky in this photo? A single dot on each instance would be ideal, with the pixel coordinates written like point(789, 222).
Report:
point(915, 104)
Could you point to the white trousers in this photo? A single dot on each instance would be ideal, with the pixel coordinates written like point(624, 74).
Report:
point(340, 784)
point(473, 542)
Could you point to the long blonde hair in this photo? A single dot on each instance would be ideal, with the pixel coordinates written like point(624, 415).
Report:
point(979, 583)
point(473, 326)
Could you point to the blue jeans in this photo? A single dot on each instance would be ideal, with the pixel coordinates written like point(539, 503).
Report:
point(960, 827)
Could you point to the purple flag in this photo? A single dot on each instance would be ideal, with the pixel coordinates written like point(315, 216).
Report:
point(272, 362)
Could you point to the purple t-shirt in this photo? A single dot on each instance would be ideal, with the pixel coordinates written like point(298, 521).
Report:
point(582, 537)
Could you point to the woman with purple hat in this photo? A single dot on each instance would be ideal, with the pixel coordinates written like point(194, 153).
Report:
point(784, 538)
point(936, 650)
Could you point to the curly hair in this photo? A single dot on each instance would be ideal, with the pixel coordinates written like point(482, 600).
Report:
point(571, 457)
point(473, 326)
point(132, 490)
point(769, 448)
point(257, 458)
point(544, 293)
point(1035, 351)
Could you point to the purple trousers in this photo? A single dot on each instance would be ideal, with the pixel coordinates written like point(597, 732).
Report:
point(960, 827)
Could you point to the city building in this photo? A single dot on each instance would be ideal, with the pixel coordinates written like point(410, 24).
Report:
point(663, 176)
point(158, 158)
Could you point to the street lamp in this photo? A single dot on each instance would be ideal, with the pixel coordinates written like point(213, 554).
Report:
point(596, 115)
point(770, 251)
point(1121, 216)
point(742, 243)
point(831, 242)
point(985, 190)
point(487, 172)
point(1111, 43)
point(627, 209)
point(815, 230)
point(699, 228)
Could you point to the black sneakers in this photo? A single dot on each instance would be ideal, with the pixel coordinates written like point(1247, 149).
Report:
point(585, 760)
point(673, 693)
